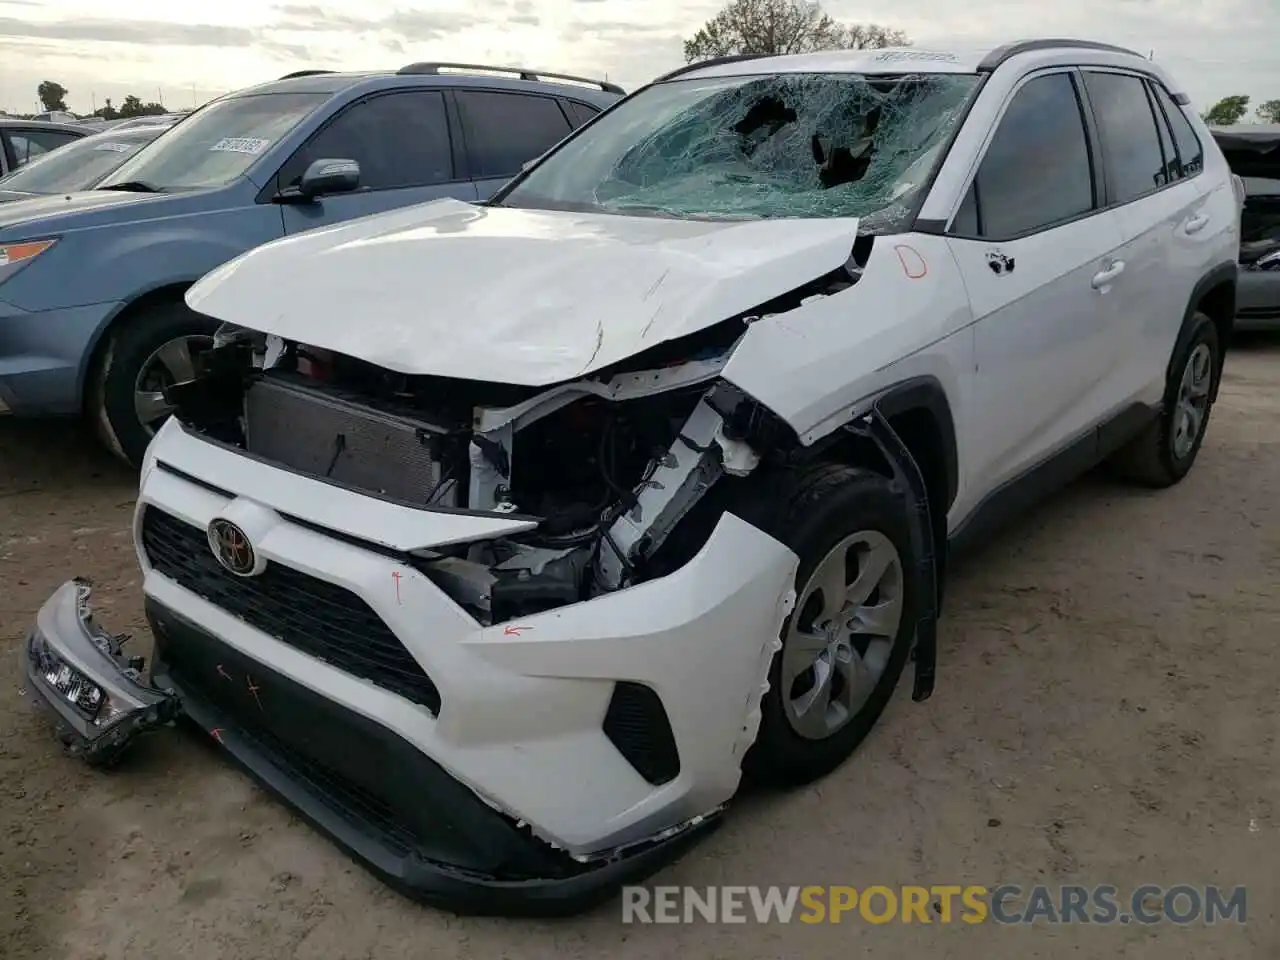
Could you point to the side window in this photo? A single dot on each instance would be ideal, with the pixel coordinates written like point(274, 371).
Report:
point(1190, 152)
point(399, 140)
point(579, 113)
point(1036, 171)
point(1170, 171)
point(1130, 143)
point(29, 144)
point(505, 130)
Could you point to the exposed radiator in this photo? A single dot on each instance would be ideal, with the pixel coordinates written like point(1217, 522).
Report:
point(319, 431)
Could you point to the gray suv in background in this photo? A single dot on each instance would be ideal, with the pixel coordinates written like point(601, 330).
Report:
point(92, 317)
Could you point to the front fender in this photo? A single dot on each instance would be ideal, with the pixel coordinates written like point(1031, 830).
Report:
point(907, 317)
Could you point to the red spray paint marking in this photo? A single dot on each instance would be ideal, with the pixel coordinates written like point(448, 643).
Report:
point(913, 264)
point(216, 733)
point(253, 689)
point(513, 631)
point(395, 575)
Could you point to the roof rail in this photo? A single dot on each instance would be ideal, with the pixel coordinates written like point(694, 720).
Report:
point(1000, 54)
point(713, 62)
point(521, 72)
point(304, 73)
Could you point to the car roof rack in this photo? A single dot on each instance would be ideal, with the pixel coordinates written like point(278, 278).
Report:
point(521, 72)
point(304, 73)
point(713, 62)
point(1000, 54)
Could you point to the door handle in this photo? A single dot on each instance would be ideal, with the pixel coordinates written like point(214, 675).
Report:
point(1100, 280)
point(1196, 224)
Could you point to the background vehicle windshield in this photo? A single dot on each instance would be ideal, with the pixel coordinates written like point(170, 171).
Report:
point(787, 145)
point(80, 164)
point(218, 143)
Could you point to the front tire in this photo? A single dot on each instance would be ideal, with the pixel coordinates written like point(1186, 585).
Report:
point(845, 644)
point(1164, 452)
point(145, 353)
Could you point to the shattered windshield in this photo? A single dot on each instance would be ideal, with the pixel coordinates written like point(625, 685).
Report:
point(787, 145)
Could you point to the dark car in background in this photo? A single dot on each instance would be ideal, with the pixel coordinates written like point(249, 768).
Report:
point(1253, 153)
point(22, 141)
point(80, 165)
point(92, 315)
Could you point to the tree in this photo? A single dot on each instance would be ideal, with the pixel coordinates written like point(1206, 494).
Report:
point(106, 111)
point(1269, 112)
point(783, 26)
point(53, 95)
point(134, 107)
point(1227, 111)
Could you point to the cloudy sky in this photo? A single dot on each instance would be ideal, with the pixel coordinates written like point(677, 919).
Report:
point(187, 51)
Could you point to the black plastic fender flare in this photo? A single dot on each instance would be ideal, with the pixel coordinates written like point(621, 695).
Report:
point(875, 427)
point(1223, 273)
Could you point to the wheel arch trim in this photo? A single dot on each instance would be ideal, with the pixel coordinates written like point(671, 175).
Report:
point(94, 347)
point(924, 393)
point(1224, 274)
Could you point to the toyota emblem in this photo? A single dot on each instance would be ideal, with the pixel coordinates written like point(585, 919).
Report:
point(232, 548)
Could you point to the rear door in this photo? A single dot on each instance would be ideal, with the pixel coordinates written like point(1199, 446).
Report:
point(1037, 255)
point(503, 131)
point(403, 143)
point(1163, 217)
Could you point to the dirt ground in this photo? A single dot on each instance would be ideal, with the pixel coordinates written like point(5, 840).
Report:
point(1105, 715)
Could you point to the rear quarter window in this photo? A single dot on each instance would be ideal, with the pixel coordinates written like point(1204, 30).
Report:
point(579, 113)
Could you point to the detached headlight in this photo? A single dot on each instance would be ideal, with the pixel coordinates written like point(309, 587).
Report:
point(14, 256)
point(77, 690)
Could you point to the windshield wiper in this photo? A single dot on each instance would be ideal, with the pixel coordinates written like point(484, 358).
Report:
point(134, 186)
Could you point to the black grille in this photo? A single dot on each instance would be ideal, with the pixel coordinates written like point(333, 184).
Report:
point(319, 618)
point(637, 724)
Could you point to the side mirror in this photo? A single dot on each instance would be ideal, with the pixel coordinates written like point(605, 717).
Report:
point(324, 176)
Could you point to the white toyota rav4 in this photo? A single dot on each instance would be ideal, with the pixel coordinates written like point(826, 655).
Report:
point(500, 539)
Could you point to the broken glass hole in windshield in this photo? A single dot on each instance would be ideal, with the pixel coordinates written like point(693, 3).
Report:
point(791, 145)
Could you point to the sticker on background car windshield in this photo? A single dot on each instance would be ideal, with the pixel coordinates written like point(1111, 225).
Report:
point(252, 145)
point(116, 147)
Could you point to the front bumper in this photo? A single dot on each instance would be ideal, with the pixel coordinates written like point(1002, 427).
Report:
point(521, 708)
point(377, 796)
point(504, 794)
point(43, 355)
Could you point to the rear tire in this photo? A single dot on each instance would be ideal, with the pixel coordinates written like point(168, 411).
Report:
point(1164, 452)
point(145, 352)
point(854, 525)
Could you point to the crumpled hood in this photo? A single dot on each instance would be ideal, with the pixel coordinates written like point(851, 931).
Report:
point(527, 297)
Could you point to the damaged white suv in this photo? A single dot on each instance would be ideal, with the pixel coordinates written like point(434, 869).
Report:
point(501, 539)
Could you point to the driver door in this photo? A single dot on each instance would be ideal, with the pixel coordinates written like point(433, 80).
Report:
point(401, 141)
point(1040, 259)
